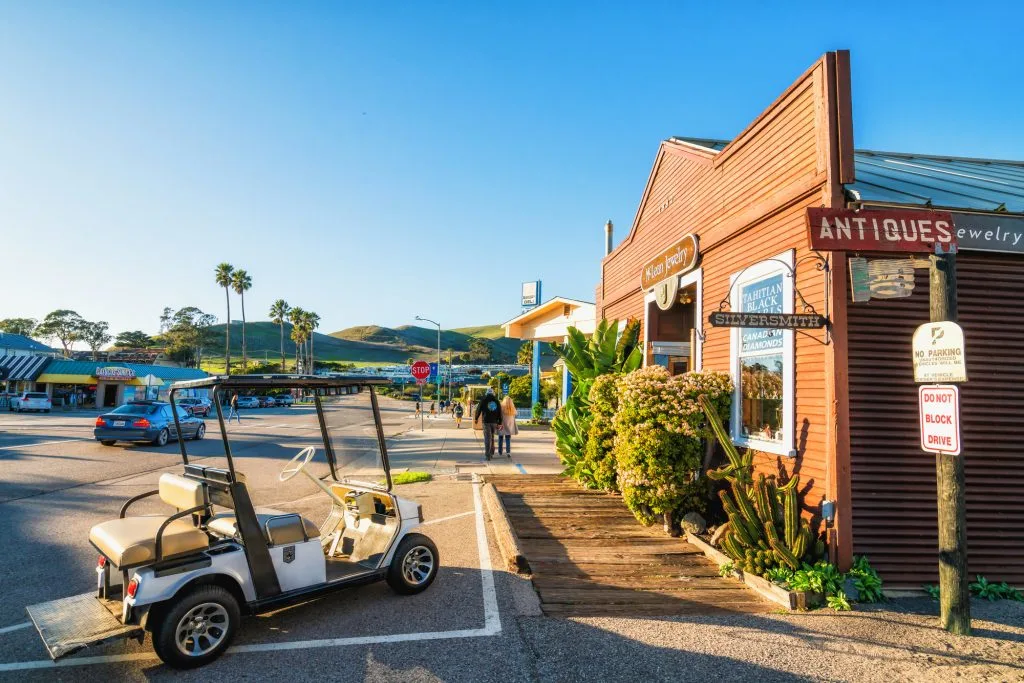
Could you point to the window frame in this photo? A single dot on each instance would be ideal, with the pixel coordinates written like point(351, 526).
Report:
point(776, 265)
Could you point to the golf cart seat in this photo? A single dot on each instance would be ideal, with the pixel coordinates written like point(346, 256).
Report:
point(279, 528)
point(131, 541)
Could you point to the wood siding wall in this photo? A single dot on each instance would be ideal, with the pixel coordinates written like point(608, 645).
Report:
point(894, 496)
point(746, 204)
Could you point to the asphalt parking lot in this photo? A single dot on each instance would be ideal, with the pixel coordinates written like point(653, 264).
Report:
point(476, 623)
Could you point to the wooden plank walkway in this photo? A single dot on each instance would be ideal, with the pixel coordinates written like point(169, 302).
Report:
point(591, 557)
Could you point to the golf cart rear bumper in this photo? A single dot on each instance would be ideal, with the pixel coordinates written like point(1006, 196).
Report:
point(72, 624)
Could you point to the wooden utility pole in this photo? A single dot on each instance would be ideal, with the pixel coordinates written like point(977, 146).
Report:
point(955, 596)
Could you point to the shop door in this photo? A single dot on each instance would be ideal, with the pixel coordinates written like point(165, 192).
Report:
point(110, 396)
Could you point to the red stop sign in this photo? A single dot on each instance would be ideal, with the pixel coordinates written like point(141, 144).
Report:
point(420, 369)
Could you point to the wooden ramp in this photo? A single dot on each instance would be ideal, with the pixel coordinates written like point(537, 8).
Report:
point(591, 557)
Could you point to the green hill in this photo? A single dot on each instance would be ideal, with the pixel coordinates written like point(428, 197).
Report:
point(365, 343)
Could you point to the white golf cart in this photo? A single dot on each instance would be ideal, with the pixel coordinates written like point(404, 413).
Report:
point(189, 575)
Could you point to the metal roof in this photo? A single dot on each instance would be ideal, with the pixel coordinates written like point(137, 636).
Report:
point(82, 367)
point(927, 180)
point(19, 342)
point(24, 368)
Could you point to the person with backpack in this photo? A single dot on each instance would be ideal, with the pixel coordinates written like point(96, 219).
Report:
point(458, 412)
point(488, 412)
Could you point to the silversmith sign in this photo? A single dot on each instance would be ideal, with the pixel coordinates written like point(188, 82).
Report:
point(778, 321)
point(680, 258)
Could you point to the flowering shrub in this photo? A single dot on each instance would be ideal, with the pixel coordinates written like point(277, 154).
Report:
point(599, 460)
point(658, 446)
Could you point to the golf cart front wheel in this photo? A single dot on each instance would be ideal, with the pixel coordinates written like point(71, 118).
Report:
point(196, 627)
point(414, 565)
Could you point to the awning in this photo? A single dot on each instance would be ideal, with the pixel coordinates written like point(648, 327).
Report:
point(58, 378)
point(23, 368)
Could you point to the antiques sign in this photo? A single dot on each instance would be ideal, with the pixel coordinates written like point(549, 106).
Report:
point(777, 321)
point(680, 258)
point(939, 353)
point(939, 410)
point(919, 232)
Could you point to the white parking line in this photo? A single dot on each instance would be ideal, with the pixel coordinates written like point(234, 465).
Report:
point(39, 443)
point(16, 627)
point(445, 519)
point(491, 627)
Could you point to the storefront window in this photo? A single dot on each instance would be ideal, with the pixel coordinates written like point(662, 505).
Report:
point(763, 360)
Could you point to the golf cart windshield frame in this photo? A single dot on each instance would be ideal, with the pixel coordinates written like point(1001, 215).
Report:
point(220, 384)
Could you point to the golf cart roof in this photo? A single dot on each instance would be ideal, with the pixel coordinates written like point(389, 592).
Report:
point(281, 381)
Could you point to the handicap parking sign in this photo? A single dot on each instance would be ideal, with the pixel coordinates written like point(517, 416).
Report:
point(433, 369)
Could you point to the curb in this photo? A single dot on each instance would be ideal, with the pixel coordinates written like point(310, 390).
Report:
point(508, 542)
point(791, 600)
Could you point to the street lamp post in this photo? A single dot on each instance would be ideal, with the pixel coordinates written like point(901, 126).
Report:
point(437, 379)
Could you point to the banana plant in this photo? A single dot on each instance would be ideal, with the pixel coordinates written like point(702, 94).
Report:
point(587, 359)
point(605, 352)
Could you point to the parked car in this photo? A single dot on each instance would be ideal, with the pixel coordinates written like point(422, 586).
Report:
point(31, 400)
point(248, 402)
point(266, 401)
point(196, 406)
point(146, 421)
point(286, 400)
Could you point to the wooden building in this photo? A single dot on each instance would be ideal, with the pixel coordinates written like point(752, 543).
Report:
point(836, 405)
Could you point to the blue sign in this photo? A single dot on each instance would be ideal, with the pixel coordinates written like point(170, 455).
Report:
point(433, 369)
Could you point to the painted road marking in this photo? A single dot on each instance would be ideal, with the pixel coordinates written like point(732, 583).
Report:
point(522, 470)
point(445, 519)
point(492, 621)
point(40, 443)
point(16, 627)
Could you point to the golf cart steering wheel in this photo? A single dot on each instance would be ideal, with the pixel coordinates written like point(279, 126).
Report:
point(297, 464)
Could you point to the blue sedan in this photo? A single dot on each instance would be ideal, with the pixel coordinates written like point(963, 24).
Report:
point(146, 421)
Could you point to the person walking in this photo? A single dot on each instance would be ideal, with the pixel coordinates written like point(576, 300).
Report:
point(457, 412)
point(418, 409)
point(233, 410)
point(509, 428)
point(488, 412)
point(433, 409)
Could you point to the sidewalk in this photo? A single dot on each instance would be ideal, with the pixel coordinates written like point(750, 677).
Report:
point(443, 449)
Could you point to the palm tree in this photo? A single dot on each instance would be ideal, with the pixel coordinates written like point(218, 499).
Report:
point(223, 278)
point(241, 282)
point(312, 322)
point(296, 315)
point(279, 314)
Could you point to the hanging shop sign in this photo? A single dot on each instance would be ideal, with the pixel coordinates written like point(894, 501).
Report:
point(917, 232)
point(939, 353)
point(115, 373)
point(680, 258)
point(777, 321)
point(666, 292)
point(939, 413)
point(880, 278)
point(987, 232)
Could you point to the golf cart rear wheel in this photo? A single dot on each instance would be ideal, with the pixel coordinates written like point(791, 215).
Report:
point(196, 627)
point(414, 565)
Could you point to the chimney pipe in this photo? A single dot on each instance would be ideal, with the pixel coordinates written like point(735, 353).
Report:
point(608, 238)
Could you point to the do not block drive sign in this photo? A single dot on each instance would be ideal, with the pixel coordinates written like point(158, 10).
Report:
point(940, 418)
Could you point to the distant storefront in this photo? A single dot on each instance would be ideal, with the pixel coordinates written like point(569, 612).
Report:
point(106, 385)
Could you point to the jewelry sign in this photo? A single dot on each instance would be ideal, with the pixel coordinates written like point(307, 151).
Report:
point(917, 232)
point(680, 258)
point(939, 353)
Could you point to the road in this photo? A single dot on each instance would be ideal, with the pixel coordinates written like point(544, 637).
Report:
point(476, 623)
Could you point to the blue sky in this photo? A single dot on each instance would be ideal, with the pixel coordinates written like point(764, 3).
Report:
point(373, 161)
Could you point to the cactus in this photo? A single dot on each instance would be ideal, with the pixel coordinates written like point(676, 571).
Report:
point(765, 528)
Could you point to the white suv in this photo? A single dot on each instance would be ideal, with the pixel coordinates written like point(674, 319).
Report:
point(31, 400)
